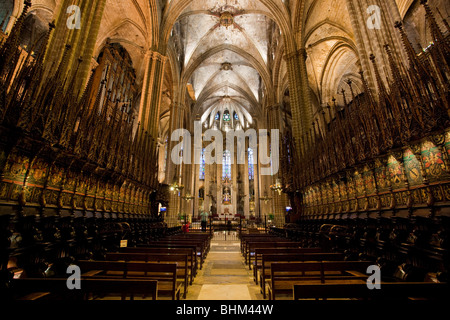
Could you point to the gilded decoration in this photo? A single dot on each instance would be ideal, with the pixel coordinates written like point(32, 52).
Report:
point(359, 184)
point(381, 177)
point(395, 173)
point(433, 161)
point(412, 168)
point(369, 181)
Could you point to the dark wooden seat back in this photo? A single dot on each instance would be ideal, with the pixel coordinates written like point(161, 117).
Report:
point(58, 287)
point(387, 291)
point(270, 244)
point(163, 272)
point(283, 273)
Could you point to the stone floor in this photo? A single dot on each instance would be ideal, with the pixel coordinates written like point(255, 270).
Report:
point(224, 275)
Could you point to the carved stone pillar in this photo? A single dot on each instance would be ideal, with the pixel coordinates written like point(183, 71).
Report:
point(373, 25)
point(246, 180)
point(173, 171)
point(152, 92)
point(299, 96)
point(82, 40)
point(279, 200)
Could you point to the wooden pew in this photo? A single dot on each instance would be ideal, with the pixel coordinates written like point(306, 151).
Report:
point(192, 256)
point(206, 238)
point(260, 251)
point(49, 288)
point(251, 246)
point(182, 261)
point(177, 245)
point(258, 238)
point(388, 291)
point(245, 237)
point(164, 273)
point(284, 275)
point(199, 246)
point(190, 236)
point(246, 243)
point(268, 259)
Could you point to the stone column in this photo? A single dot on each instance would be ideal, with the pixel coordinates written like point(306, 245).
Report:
point(85, 42)
point(246, 185)
point(278, 200)
point(17, 11)
point(188, 183)
point(161, 160)
point(257, 182)
point(299, 94)
point(196, 181)
point(371, 38)
point(219, 185)
point(152, 92)
point(82, 41)
point(173, 170)
point(207, 186)
point(234, 185)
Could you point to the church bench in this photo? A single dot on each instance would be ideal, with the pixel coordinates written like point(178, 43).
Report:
point(206, 239)
point(201, 246)
point(246, 243)
point(192, 257)
point(258, 238)
point(193, 235)
point(260, 251)
point(387, 291)
point(268, 259)
point(190, 236)
point(184, 270)
point(284, 275)
point(176, 244)
point(164, 273)
point(250, 251)
point(56, 288)
point(244, 237)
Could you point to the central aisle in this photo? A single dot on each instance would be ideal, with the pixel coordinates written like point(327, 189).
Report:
point(224, 275)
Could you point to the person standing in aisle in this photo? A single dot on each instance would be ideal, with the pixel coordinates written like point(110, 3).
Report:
point(204, 219)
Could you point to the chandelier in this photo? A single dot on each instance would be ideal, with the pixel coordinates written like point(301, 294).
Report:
point(277, 187)
point(188, 197)
point(175, 187)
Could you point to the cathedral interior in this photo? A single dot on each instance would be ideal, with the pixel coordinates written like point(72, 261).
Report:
point(334, 117)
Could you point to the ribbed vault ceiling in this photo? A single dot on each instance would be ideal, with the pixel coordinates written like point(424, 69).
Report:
point(223, 52)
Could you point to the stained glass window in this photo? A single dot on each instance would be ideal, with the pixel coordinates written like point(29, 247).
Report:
point(202, 165)
point(226, 116)
point(217, 116)
point(226, 165)
point(251, 172)
point(236, 117)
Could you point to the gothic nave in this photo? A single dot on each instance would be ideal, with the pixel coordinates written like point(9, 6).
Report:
point(168, 148)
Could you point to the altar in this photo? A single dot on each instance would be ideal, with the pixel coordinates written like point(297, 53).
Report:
point(226, 214)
